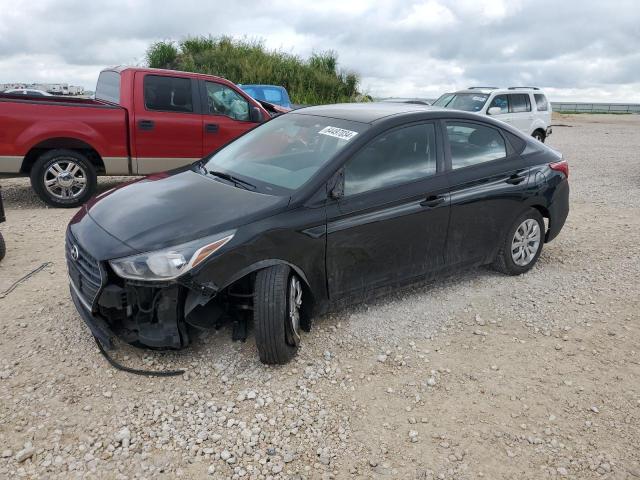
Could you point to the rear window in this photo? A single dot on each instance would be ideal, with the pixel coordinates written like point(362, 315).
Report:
point(469, 102)
point(541, 102)
point(108, 88)
point(520, 103)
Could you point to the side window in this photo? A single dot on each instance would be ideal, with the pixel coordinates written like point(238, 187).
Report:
point(501, 102)
point(541, 102)
point(393, 158)
point(167, 94)
point(222, 100)
point(520, 103)
point(472, 144)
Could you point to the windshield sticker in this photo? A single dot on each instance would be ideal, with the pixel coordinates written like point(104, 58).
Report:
point(338, 133)
point(479, 99)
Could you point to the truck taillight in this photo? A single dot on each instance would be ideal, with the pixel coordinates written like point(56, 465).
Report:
point(561, 166)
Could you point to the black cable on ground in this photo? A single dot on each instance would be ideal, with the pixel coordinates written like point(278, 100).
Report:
point(152, 373)
point(15, 284)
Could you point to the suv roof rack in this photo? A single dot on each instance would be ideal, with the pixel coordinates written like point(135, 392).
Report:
point(527, 88)
point(483, 88)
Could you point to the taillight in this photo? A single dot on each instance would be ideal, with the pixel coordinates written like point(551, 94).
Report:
point(561, 166)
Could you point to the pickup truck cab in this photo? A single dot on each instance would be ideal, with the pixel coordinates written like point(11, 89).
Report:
point(141, 121)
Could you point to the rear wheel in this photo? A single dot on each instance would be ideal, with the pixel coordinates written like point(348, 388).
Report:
point(277, 304)
point(3, 247)
point(539, 135)
point(523, 244)
point(63, 178)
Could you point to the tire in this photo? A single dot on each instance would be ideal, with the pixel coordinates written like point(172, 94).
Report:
point(523, 259)
point(277, 338)
point(539, 135)
point(3, 247)
point(63, 178)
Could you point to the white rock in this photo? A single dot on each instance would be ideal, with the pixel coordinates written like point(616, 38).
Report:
point(25, 453)
point(381, 358)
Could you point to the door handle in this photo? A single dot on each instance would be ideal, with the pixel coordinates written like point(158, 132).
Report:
point(516, 179)
point(211, 128)
point(146, 124)
point(432, 201)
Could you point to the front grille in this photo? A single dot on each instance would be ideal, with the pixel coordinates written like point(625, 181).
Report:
point(84, 271)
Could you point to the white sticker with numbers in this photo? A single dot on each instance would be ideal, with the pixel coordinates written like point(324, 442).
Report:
point(338, 133)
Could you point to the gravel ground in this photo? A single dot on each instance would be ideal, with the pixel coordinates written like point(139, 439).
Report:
point(476, 375)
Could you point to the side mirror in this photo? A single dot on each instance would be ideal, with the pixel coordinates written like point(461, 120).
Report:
point(255, 114)
point(337, 191)
point(494, 111)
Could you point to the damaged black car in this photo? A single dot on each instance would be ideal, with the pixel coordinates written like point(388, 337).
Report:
point(315, 209)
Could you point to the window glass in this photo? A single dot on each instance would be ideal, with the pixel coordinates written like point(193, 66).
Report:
point(108, 87)
point(469, 102)
point(471, 144)
point(222, 100)
point(167, 94)
point(285, 152)
point(397, 157)
point(541, 102)
point(520, 103)
point(501, 102)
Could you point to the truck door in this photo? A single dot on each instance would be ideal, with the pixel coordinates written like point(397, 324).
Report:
point(226, 115)
point(167, 130)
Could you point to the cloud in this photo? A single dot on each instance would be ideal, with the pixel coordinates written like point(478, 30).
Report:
point(575, 49)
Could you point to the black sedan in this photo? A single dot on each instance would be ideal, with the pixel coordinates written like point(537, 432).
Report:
point(317, 208)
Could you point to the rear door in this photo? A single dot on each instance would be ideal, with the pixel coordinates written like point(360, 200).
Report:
point(488, 186)
point(226, 114)
point(391, 223)
point(167, 122)
point(520, 112)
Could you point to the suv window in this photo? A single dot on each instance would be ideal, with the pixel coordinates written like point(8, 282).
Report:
point(501, 102)
point(520, 102)
point(167, 94)
point(541, 102)
point(223, 100)
point(393, 158)
point(472, 144)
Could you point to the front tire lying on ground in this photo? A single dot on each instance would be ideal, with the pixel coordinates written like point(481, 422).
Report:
point(277, 303)
point(63, 178)
point(522, 245)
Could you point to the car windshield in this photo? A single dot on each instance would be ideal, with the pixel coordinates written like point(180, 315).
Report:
point(469, 102)
point(284, 153)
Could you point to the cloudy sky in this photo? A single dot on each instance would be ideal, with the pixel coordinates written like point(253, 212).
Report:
point(576, 49)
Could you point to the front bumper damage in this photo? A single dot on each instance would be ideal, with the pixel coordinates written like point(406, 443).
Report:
point(153, 314)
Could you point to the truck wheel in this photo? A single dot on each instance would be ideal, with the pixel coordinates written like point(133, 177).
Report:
point(522, 245)
point(63, 178)
point(3, 247)
point(277, 303)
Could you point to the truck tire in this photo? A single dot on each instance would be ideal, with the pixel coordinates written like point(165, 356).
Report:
point(522, 245)
point(63, 178)
point(539, 135)
point(3, 247)
point(277, 302)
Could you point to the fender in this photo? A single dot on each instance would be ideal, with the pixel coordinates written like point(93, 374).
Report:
point(196, 297)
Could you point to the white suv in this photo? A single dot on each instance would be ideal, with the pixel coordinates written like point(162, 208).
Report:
point(525, 108)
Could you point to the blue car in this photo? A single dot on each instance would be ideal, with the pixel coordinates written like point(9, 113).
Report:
point(268, 93)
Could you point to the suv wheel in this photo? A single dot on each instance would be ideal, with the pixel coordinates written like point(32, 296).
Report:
point(277, 305)
point(3, 247)
point(539, 135)
point(63, 178)
point(523, 244)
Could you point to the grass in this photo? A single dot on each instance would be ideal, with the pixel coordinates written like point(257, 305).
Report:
point(315, 80)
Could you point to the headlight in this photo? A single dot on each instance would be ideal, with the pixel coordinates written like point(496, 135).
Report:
point(171, 262)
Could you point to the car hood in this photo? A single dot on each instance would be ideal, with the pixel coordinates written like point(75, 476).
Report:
point(168, 209)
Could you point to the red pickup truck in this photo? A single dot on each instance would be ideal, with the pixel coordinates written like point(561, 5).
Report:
point(141, 121)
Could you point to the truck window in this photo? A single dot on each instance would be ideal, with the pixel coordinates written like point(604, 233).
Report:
point(108, 87)
point(167, 94)
point(223, 100)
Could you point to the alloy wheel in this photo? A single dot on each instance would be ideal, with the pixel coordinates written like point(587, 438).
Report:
point(65, 179)
point(293, 317)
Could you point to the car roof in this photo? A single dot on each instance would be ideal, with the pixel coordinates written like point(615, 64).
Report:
point(501, 91)
point(367, 112)
point(259, 85)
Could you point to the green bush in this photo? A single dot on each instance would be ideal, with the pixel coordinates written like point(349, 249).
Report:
point(316, 80)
